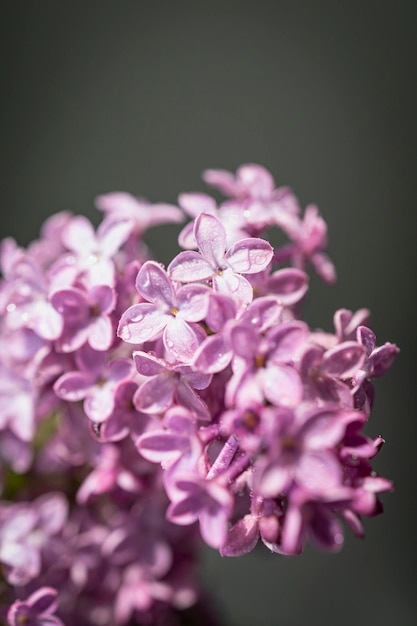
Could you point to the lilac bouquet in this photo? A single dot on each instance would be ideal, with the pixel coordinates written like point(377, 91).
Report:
point(145, 408)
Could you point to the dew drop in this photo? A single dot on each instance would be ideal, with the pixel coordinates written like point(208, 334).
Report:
point(259, 259)
point(338, 538)
point(11, 307)
point(137, 318)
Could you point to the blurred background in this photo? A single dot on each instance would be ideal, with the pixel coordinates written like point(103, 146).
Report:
point(141, 97)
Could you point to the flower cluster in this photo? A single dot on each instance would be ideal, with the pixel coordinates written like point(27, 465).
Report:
point(143, 406)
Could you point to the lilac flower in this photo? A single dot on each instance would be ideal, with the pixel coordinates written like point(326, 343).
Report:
point(233, 413)
point(25, 297)
point(317, 518)
point(256, 199)
point(167, 311)
point(169, 384)
point(37, 610)
point(323, 372)
point(309, 242)
point(207, 501)
point(25, 529)
point(119, 205)
point(95, 382)
point(94, 252)
point(261, 368)
point(86, 317)
point(303, 450)
point(224, 268)
point(231, 215)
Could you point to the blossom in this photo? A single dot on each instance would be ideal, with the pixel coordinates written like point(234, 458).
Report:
point(169, 311)
point(36, 610)
point(143, 408)
point(223, 267)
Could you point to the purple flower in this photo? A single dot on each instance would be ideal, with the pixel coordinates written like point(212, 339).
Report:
point(94, 252)
point(119, 205)
point(309, 242)
point(95, 382)
point(223, 268)
point(303, 450)
point(36, 610)
point(207, 501)
point(168, 312)
point(86, 317)
point(169, 384)
point(25, 530)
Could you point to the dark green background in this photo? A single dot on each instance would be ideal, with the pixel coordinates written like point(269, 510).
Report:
point(142, 96)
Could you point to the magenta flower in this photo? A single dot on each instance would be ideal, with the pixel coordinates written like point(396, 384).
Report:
point(94, 252)
point(119, 205)
point(309, 243)
point(25, 530)
point(167, 311)
point(37, 610)
point(96, 382)
point(223, 267)
point(168, 384)
point(86, 316)
point(207, 501)
point(303, 450)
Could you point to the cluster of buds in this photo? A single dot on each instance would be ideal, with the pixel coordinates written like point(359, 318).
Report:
point(143, 407)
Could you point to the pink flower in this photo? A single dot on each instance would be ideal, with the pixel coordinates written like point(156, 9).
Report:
point(223, 267)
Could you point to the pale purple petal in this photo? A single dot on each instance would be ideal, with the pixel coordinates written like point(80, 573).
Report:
point(343, 360)
point(222, 180)
point(155, 395)
point(182, 339)
point(99, 403)
point(190, 266)
point(101, 334)
point(286, 341)
point(192, 302)
point(262, 313)
point(153, 284)
point(161, 446)
point(52, 509)
point(73, 386)
point(318, 472)
point(112, 233)
point(282, 385)
point(325, 427)
point(79, 236)
point(210, 236)
point(141, 322)
point(275, 479)
point(221, 308)
point(289, 285)
point(146, 364)
point(196, 203)
point(234, 285)
point(191, 401)
point(214, 355)
point(249, 256)
point(242, 537)
point(104, 297)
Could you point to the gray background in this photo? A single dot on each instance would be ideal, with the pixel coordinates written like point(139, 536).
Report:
point(142, 96)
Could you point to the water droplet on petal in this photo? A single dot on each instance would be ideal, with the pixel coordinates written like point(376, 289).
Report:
point(137, 318)
point(11, 307)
